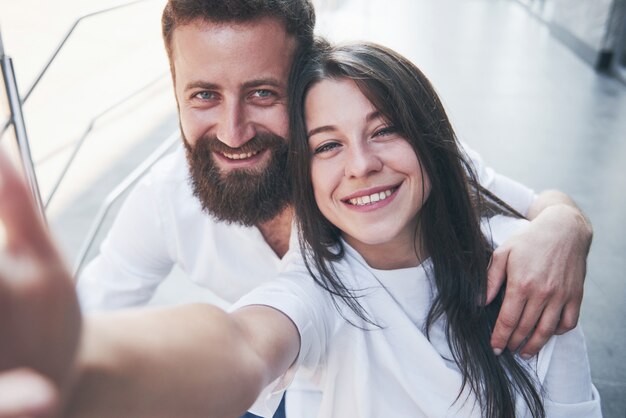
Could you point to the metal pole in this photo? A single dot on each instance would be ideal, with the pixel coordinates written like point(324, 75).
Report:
point(15, 107)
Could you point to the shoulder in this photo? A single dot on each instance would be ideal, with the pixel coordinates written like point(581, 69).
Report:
point(167, 184)
point(171, 169)
point(293, 291)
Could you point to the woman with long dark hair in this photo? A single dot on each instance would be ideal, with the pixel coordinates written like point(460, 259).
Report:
point(389, 215)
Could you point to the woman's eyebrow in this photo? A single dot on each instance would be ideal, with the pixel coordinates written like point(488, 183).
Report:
point(325, 128)
point(373, 115)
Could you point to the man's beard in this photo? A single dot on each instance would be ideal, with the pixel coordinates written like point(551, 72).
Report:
point(244, 196)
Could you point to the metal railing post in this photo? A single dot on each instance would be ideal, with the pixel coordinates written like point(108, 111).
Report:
point(17, 117)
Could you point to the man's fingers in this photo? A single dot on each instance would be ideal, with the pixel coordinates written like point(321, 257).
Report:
point(25, 393)
point(526, 324)
point(496, 273)
point(569, 317)
point(20, 222)
point(510, 313)
point(543, 331)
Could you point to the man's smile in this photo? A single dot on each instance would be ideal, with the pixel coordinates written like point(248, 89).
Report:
point(239, 156)
point(234, 160)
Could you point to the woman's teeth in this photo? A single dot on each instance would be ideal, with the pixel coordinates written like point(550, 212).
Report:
point(373, 198)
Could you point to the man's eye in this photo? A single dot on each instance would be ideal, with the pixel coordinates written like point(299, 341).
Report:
point(263, 94)
point(205, 95)
point(329, 146)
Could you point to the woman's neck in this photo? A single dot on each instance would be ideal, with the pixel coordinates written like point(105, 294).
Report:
point(402, 252)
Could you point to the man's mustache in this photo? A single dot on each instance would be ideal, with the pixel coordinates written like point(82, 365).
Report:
point(257, 143)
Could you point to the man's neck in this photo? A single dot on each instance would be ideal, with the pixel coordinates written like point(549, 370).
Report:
point(276, 231)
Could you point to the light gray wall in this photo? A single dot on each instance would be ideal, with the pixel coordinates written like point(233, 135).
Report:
point(584, 19)
point(616, 29)
point(592, 28)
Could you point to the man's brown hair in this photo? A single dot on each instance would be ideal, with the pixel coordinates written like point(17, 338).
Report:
point(298, 15)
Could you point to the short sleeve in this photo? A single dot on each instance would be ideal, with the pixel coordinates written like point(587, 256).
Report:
point(295, 294)
point(563, 367)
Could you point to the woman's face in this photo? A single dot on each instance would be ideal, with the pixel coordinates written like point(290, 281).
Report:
point(366, 177)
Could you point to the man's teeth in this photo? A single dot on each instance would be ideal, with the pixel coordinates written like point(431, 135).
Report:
point(373, 198)
point(239, 156)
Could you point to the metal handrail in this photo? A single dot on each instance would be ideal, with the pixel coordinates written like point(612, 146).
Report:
point(58, 49)
point(8, 121)
point(79, 143)
point(116, 194)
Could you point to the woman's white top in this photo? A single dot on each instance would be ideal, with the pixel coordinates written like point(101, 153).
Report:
point(395, 370)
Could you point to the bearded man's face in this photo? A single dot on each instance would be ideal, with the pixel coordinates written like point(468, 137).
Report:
point(230, 82)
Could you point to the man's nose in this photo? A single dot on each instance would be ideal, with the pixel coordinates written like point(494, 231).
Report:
point(362, 160)
point(234, 126)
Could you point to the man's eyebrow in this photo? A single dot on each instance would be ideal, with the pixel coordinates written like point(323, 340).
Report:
point(274, 82)
point(205, 85)
point(199, 84)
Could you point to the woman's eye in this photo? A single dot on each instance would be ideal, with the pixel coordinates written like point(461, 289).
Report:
point(325, 147)
point(387, 130)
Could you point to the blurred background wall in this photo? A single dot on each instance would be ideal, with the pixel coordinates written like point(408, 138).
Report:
point(595, 30)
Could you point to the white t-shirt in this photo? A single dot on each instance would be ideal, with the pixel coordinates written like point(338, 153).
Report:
point(395, 370)
point(161, 224)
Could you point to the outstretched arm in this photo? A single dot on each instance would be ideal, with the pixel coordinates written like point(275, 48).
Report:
point(544, 266)
point(188, 361)
point(191, 361)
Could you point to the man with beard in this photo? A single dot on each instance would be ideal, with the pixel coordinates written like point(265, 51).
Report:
point(230, 63)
